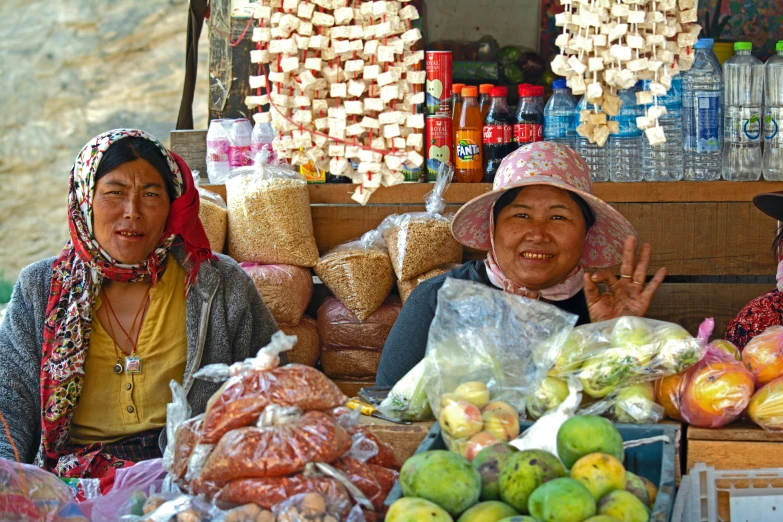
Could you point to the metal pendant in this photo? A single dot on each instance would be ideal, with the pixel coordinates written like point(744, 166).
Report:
point(118, 367)
point(133, 365)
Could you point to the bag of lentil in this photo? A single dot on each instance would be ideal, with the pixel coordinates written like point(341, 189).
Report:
point(269, 220)
point(408, 286)
point(421, 241)
point(359, 274)
point(213, 213)
point(285, 289)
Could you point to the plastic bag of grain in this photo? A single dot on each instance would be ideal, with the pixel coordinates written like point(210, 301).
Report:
point(359, 274)
point(213, 213)
point(421, 241)
point(308, 348)
point(269, 220)
point(351, 348)
point(285, 289)
point(409, 285)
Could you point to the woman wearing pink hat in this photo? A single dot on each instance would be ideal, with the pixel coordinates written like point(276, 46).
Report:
point(542, 228)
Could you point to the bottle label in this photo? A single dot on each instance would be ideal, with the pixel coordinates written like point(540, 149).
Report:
point(559, 127)
point(528, 132)
point(704, 136)
point(468, 149)
point(772, 121)
point(497, 134)
point(743, 125)
point(628, 128)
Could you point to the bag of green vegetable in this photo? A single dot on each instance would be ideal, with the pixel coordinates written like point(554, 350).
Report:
point(408, 399)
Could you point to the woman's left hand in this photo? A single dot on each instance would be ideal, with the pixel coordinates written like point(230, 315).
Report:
point(628, 295)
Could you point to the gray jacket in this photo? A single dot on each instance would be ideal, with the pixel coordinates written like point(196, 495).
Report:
point(226, 322)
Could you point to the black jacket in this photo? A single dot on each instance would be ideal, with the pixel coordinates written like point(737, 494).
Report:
point(407, 341)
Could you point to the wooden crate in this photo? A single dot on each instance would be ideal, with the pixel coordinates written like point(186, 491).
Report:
point(739, 446)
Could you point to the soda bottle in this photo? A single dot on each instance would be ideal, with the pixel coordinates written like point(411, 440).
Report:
point(625, 147)
point(498, 132)
point(743, 75)
point(702, 115)
point(560, 117)
point(538, 94)
point(485, 99)
point(239, 143)
point(773, 116)
point(469, 168)
point(663, 162)
point(529, 119)
point(597, 158)
point(456, 112)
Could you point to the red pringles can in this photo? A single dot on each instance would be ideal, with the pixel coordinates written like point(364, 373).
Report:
point(438, 88)
point(440, 140)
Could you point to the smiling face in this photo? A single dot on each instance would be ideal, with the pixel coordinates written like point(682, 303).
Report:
point(539, 237)
point(130, 209)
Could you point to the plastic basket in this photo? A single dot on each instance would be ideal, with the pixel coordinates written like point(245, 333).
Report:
point(754, 495)
point(655, 461)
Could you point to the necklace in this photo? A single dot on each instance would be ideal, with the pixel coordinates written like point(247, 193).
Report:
point(132, 360)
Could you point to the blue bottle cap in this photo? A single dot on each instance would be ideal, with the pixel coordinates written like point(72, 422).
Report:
point(704, 43)
point(559, 84)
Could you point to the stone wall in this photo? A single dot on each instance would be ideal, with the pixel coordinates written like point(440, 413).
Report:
point(71, 70)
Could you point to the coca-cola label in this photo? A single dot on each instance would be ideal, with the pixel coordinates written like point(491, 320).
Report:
point(497, 134)
point(528, 132)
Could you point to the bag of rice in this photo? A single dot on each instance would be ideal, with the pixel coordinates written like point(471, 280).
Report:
point(339, 328)
point(408, 286)
point(358, 273)
point(285, 289)
point(212, 212)
point(269, 220)
point(308, 348)
point(421, 241)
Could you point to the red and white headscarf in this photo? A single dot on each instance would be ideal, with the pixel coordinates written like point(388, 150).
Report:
point(77, 275)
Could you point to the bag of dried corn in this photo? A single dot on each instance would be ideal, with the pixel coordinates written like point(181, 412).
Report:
point(213, 213)
point(359, 274)
point(421, 241)
point(269, 220)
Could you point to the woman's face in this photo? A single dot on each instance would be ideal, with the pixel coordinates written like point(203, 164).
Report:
point(130, 210)
point(539, 237)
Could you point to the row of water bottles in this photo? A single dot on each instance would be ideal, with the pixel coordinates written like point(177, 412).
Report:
point(694, 124)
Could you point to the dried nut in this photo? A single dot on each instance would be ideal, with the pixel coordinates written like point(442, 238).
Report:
point(314, 503)
point(189, 515)
point(265, 516)
point(246, 513)
point(215, 221)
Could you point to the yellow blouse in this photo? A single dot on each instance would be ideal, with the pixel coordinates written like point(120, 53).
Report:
point(113, 406)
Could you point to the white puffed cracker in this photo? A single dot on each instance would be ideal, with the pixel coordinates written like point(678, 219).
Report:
point(373, 105)
point(415, 159)
point(371, 72)
point(390, 92)
point(257, 56)
point(386, 78)
point(385, 53)
point(644, 98)
point(415, 121)
point(370, 123)
point(577, 65)
point(262, 117)
point(409, 12)
point(257, 82)
point(341, 46)
point(289, 64)
point(655, 135)
point(417, 77)
point(354, 66)
point(411, 36)
point(343, 15)
point(417, 98)
point(354, 130)
point(322, 19)
point(354, 107)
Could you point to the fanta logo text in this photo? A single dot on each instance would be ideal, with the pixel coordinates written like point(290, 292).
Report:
point(467, 150)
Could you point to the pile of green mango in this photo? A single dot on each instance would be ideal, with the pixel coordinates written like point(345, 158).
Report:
point(586, 484)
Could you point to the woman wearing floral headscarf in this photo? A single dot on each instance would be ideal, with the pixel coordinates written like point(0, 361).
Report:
point(542, 227)
point(136, 298)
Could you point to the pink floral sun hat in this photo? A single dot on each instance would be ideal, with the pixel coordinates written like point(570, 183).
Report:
point(547, 163)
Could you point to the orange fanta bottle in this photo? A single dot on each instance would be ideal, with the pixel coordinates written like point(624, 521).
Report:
point(456, 111)
point(467, 139)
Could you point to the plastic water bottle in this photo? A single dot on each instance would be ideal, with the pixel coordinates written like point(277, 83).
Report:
point(596, 157)
point(625, 147)
point(560, 116)
point(773, 116)
point(663, 162)
point(743, 75)
point(702, 115)
point(261, 140)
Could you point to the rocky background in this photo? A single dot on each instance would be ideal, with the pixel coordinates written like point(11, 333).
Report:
point(70, 70)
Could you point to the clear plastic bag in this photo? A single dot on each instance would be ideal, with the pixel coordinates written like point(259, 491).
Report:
point(766, 406)
point(634, 404)
point(364, 478)
point(135, 489)
point(308, 347)
point(408, 286)
point(668, 393)
point(487, 351)
point(421, 241)
point(285, 289)
point(611, 355)
point(283, 444)
point(257, 382)
point(213, 214)
point(313, 507)
point(715, 391)
point(547, 397)
point(271, 492)
point(30, 494)
point(269, 219)
point(407, 400)
point(359, 274)
point(763, 355)
point(177, 508)
point(177, 413)
point(384, 457)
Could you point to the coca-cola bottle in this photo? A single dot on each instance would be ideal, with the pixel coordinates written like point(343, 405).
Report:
point(498, 133)
point(529, 124)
